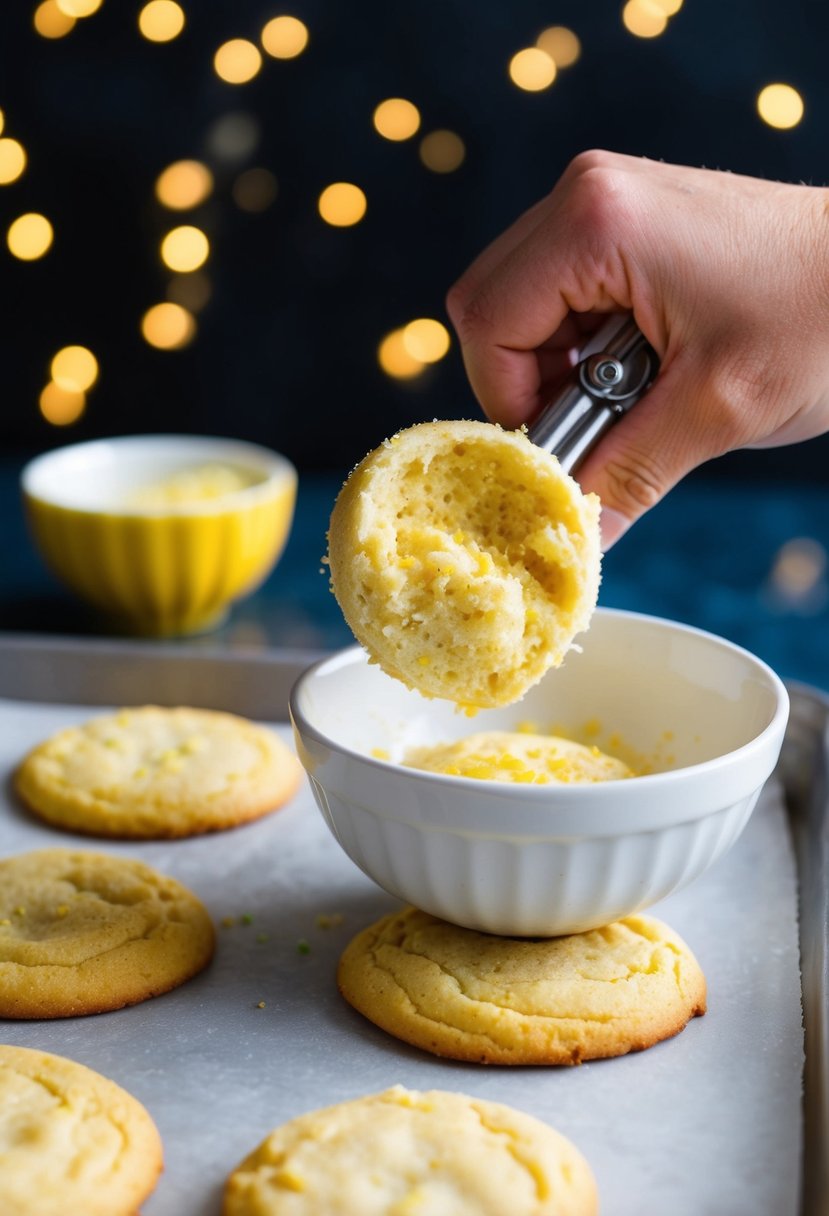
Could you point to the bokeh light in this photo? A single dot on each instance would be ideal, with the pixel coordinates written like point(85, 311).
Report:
point(395, 359)
point(233, 137)
point(191, 291)
point(30, 236)
point(442, 151)
point(669, 7)
point(254, 190)
point(342, 204)
point(532, 69)
point(426, 340)
point(396, 119)
point(79, 8)
point(237, 61)
point(184, 184)
point(779, 105)
point(2, 121)
point(161, 20)
point(561, 44)
point(185, 248)
point(61, 406)
point(12, 160)
point(51, 22)
point(74, 368)
point(285, 37)
point(644, 18)
point(168, 326)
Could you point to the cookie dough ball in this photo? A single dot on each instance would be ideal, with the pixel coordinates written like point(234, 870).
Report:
point(405, 1151)
point(465, 560)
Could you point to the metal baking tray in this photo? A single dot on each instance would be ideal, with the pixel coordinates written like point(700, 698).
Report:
point(218, 1073)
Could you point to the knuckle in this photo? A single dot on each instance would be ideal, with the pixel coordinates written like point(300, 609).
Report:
point(471, 314)
point(635, 482)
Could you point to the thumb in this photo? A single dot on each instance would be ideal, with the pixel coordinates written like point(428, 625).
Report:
point(681, 422)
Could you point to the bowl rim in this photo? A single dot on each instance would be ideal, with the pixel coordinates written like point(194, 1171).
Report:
point(278, 474)
point(541, 793)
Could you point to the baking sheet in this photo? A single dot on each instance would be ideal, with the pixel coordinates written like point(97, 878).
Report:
point(706, 1123)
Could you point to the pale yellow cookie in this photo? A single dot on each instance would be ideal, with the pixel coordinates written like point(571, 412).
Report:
point(72, 1143)
point(88, 932)
point(465, 560)
point(503, 1000)
point(410, 1153)
point(150, 773)
point(518, 758)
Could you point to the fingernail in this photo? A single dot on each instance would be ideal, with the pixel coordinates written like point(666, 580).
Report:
point(612, 525)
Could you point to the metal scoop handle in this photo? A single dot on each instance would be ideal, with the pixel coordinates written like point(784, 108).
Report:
point(619, 369)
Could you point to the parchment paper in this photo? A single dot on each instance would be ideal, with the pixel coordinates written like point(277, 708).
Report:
point(705, 1124)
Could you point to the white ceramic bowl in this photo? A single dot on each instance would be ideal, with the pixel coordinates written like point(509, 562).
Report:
point(547, 860)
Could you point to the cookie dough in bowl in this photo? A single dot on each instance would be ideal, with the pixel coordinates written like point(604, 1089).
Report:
point(465, 560)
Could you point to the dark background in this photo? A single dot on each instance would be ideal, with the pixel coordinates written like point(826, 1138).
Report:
point(286, 352)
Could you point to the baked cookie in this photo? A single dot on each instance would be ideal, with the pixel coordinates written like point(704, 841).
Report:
point(506, 1000)
point(465, 560)
point(71, 1141)
point(514, 757)
point(151, 773)
point(88, 932)
point(403, 1152)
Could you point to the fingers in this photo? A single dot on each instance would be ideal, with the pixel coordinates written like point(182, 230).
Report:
point(563, 256)
point(680, 423)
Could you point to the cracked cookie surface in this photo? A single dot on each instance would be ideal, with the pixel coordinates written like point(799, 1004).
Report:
point(465, 560)
point(501, 1000)
point(89, 932)
point(151, 773)
point(71, 1141)
point(403, 1152)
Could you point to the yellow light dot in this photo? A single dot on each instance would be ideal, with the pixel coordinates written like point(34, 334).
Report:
point(342, 204)
point(61, 406)
point(669, 7)
point(285, 37)
point(254, 190)
point(79, 8)
point(184, 184)
point(30, 236)
point(168, 326)
point(237, 61)
point(644, 18)
point(185, 248)
point(396, 118)
point(2, 121)
point(52, 22)
point(561, 44)
point(442, 151)
point(74, 368)
point(779, 105)
point(532, 69)
point(191, 291)
point(395, 359)
point(12, 160)
point(161, 20)
point(426, 340)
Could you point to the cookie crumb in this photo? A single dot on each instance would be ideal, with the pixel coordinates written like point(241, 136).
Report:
point(260, 1005)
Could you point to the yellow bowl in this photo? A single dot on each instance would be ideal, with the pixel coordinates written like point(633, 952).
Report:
point(145, 528)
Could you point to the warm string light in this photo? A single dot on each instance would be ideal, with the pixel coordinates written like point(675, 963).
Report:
point(404, 353)
point(161, 20)
point(185, 248)
point(79, 8)
point(74, 369)
point(532, 69)
point(442, 151)
point(51, 22)
point(561, 44)
point(396, 119)
point(780, 106)
point(237, 61)
point(60, 406)
point(184, 185)
point(168, 326)
point(285, 37)
point(342, 204)
point(12, 160)
point(646, 18)
point(29, 236)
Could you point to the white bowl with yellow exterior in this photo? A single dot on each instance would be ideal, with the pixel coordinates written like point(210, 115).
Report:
point(701, 717)
point(161, 532)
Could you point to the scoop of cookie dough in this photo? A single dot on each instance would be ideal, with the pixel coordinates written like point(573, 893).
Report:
point(506, 1000)
point(517, 758)
point(465, 560)
point(71, 1141)
point(405, 1151)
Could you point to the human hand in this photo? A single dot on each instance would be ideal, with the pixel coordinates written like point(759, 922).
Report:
point(726, 276)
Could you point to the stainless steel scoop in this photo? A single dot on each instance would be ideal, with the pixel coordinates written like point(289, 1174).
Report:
point(617, 367)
